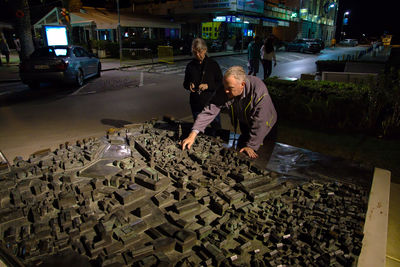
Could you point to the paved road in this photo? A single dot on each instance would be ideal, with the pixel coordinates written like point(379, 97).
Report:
point(33, 120)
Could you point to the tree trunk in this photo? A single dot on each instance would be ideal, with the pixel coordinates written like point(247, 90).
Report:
point(24, 28)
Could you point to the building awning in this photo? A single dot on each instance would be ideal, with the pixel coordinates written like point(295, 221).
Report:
point(105, 19)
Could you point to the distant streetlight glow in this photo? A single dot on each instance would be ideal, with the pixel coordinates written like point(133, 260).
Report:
point(344, 22)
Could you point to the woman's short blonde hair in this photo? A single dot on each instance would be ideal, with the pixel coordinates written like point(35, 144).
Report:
point(199, 44)
point(237, 72)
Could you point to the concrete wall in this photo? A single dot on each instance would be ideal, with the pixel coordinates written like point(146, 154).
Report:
point(348, 77)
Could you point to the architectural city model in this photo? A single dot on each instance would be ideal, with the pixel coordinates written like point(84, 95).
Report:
point(135, 198)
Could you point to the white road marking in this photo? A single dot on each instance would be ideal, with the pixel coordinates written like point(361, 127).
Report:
point(240, 59)
point(141, 79)
point(223, 67)
point(80, 88)
point(6, 93)
point(85, 93)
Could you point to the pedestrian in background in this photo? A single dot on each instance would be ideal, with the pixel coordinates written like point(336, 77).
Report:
point(5, 50)
point(17, 43)
point(267, 55)
point(253, 52)
point(203, 77)
point(333, 42)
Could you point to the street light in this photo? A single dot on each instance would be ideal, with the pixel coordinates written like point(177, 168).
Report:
point(345, 21)
point(119, 34)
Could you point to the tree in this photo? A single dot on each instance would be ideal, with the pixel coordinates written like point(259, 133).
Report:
point(23, 27)
point(74, 5)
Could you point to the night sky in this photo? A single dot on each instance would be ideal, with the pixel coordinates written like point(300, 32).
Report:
point(370, 17)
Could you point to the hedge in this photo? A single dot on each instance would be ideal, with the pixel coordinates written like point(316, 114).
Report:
point(366, 108)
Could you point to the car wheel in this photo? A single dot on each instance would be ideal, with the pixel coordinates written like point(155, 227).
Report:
point(287, 48)
point(79, 78)
point(302, 50)
point(98, 74)
point(34, 85)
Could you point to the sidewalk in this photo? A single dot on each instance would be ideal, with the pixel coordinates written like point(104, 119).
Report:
point(10, 72)
point(114, 63)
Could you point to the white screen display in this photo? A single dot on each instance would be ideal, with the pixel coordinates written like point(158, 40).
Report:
point(56, 35)
point(60, 52)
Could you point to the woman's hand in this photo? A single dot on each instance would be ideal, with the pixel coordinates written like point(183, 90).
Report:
point(203, 86)
point(191, 87)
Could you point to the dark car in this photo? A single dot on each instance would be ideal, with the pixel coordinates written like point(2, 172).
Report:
point(320, 42)
point(66, 64)
point(216, 46)
point(304, 45)
point(349, 42)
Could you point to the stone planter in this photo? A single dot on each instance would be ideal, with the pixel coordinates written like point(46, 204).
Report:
point(101, 53)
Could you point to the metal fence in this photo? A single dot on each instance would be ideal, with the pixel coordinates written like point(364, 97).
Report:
point(137, 53)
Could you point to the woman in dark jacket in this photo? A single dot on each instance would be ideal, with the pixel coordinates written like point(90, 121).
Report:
point(203, 77)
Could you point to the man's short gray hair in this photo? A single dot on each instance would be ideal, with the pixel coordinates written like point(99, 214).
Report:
point(237, 72)
point(199, 44)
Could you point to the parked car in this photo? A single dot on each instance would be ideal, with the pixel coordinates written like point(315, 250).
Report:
point(320, 42)
point(349, 42)
point(66, 64)
point(304, 45)
point(216, 46)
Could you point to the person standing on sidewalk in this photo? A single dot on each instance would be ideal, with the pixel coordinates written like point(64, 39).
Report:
point(17, 43)
point(267, 55)
point(203, 77)
point(253, 52)
point(5, 50)
point(333, 43)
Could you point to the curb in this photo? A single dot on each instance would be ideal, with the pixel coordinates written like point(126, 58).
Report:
point(176, 60)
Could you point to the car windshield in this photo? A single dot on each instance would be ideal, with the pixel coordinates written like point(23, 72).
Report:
point(50, 52)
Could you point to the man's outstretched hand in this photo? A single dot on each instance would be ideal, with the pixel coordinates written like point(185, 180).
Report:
point(188, 142)
point(249, 151)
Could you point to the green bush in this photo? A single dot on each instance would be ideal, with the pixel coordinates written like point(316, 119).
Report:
point(368, 108)
point(385, 103)
point(99, 44)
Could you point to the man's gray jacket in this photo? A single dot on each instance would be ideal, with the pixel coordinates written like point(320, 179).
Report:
point(254, 108)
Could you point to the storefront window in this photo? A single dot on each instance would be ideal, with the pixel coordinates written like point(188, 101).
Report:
point(172, 33)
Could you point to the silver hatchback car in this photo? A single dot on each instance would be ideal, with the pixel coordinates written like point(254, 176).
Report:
point(67, 64)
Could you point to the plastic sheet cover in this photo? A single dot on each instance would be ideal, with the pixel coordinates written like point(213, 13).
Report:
point(298, 163)
point(104, 166)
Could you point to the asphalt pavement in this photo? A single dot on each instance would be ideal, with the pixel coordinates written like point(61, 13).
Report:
point(9, 72)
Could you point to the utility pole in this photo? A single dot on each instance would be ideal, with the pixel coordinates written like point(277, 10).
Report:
point(119, 34)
